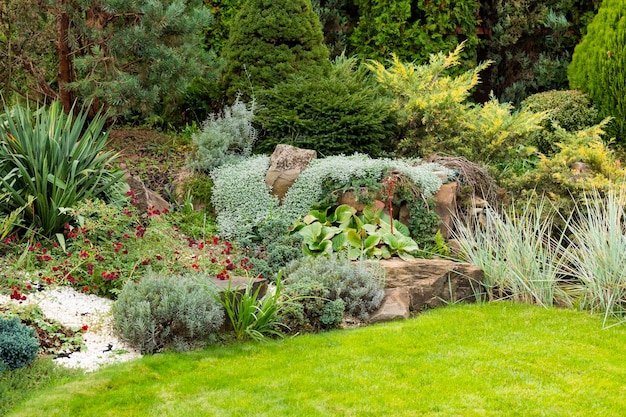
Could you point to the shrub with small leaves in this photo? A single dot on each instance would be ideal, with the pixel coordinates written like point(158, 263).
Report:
point(161, 312)
point(18, 344)
point(359, 286)
point(224, 138)
point(341, 113)
point(570, 109)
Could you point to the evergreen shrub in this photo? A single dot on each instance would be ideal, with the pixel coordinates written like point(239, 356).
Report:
point(437, 116)
point(358, 285)
point(414, 29)
point(18, 344)
point(530, 43)
point(570, 109)
point(598, 65)
point(225, 137)
point(161, 312)
point(341, 113)
point(270, 40)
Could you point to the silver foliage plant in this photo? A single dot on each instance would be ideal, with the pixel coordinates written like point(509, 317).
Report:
point(307, 190)
point(225, 138)
point(241, 197)
point(243, 200)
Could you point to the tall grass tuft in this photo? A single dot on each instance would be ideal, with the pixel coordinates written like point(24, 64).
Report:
point(519, 252)
point(597, 255)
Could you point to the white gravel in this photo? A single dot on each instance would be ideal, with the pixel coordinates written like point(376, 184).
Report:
point(74, 309)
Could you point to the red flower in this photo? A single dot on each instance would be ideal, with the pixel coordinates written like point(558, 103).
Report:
point(146, 261)
point(83, 254)
point(195, 266)
point(86, 288)
point(159, 257)
point(29, 287)
point(85, 328)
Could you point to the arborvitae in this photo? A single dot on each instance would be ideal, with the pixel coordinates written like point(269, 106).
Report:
point(268, 41)
point(598, 65)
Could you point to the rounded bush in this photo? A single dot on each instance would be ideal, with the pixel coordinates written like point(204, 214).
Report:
point(571, 109)
point(360, 287)
point(161, 312)
point(18, 344)
point(341, 113)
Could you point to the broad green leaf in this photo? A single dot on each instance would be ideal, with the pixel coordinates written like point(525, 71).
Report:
point(339, 241)
point(311, 233)
point(390, 240)
point(371, 242)
point(354, 239)
point(343, 214)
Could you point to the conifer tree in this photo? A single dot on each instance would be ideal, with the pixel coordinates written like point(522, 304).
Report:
point(121, 55)
point(268, 41)
point(598, 65)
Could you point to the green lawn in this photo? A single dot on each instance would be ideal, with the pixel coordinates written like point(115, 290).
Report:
point(499, 359)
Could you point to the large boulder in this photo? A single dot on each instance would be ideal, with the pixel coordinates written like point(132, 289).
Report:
point(420, 284)
point(286, 163)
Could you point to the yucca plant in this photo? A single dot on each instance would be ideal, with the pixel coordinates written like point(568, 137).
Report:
point(57, 159)
point(521, 255)
point(597, 256)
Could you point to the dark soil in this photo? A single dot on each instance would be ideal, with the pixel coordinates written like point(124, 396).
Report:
point(153, 156)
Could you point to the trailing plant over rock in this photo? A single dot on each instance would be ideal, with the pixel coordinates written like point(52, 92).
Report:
point(243, 201)
point(241, 198)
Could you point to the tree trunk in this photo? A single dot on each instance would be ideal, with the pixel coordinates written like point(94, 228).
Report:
point(65, 60)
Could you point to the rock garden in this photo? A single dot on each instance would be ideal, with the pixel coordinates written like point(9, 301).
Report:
point(311, 208)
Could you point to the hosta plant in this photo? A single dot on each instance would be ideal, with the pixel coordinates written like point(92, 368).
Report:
point(369, 234)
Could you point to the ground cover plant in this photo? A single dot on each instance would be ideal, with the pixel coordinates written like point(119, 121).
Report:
point(472, 360)
point(106, 246)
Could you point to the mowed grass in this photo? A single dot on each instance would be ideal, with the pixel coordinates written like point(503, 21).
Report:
point(498, 359)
